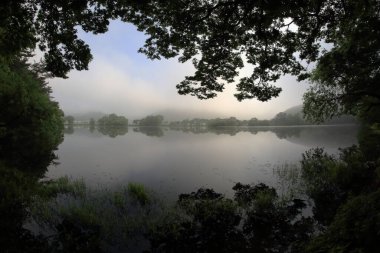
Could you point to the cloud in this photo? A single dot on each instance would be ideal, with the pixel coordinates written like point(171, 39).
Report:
point(122, 81)
point(107, 87)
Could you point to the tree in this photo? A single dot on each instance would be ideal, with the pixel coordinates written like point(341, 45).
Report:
point(254, 220)
point(113, 125)
point(69, 120)
point(275, 37)
point(218, 122)
point(113, 120)
point(150, 131)
point(31, 124)
point(92, 124)
point(152, 120)
point(256, 122)
point(346, 77)
point(287, 119)
point(53, 27)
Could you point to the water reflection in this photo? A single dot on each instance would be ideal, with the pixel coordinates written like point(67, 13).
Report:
point(150, 131)
point(25, 153)
point(171, 161)
point(69, 129)
point(112, 131)
point(185, 161)
point(325, 136)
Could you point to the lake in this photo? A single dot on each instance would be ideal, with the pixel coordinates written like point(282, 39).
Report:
point(173, 161)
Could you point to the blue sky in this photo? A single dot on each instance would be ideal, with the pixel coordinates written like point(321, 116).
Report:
point(122, 81)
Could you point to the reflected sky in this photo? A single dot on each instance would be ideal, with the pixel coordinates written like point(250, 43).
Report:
point(173, 161)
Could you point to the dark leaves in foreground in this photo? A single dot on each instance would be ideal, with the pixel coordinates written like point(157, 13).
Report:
point(255, 220)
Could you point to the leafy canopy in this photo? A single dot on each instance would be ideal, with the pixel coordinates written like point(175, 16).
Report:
point(31, 123)
point(275, 37)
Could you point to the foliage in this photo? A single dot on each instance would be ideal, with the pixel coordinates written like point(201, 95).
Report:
point(346, 76)
point(62, 185)
point(113, 120)
point(232, 121)
point(255, 220)
point(92, 125)
point(80, 219)
point(150, 131)
point(274, 37)
point(138, 192)
point(289, 182)
point(329, 180)
point(32, 124)
point(152, 120)
point(16, 190)
point(69, 129)
point(354, 229)
point(69, 119)
point(284, 119)
point(281, 119)
point(343, 192)
point(215, 35)
point(112, 131)
point(74, 237)
point(91, 122)
point(113, 125)
point(256, 122)
point(53, 27)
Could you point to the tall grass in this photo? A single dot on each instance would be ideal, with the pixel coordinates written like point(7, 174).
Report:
point(119, 216)
point(138, 192)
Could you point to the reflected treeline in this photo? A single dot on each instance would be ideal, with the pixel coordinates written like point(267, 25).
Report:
point(344, 195)
point(204, 129)
point(115, 131)
point(69, 129)
point(341, 191)
point(281, 132)
point(112, 131)
point(327, 136)
point(305, 135)
point(292, 117)
point(150, 131)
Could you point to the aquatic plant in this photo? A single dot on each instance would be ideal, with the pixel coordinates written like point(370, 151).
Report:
point(138, 192)
point(65, 207)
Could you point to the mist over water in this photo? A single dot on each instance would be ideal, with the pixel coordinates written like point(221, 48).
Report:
point(176, 161)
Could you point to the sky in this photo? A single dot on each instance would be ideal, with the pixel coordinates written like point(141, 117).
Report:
point(122, 81)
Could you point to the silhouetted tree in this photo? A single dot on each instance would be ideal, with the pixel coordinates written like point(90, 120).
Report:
point(215, 35)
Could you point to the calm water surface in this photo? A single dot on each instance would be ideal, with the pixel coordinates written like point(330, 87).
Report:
point(177, 161)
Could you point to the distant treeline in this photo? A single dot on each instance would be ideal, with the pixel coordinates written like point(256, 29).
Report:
point(152, 120)
point(107, 120)
point(113, 120)
point(281, 119)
